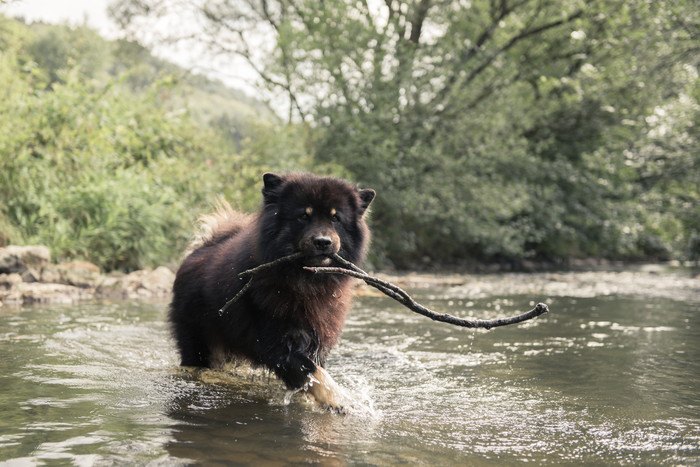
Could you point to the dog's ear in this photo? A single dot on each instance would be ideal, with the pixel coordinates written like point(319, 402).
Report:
point(366, 197)
point(271, 183)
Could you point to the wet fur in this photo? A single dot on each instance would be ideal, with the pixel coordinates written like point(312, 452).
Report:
point(290, 319)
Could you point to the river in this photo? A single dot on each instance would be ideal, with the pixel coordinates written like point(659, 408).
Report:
point(610, 376)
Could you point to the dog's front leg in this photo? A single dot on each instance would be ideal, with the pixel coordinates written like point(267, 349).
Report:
point(325, 390)
point(289, 358)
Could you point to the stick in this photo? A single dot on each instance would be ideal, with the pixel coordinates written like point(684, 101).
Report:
point(255, 270)
point(354, 267)
point(235, 298)
point(271, 264)
point(389, 289)
point(406, 300)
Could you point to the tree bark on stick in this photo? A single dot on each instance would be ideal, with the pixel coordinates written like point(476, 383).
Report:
point(389, 289)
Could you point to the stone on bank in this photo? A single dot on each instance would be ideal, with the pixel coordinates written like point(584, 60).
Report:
point(27, 276)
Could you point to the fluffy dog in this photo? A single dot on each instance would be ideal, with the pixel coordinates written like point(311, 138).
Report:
point(289, 319)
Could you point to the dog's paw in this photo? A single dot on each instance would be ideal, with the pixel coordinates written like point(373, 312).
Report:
point(326, 392)
point(338, 410)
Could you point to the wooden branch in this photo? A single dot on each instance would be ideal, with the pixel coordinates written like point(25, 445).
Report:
point(517, 38)
point(246, 55)
point(267, 16)
point(389, 289)
point(235, 298)
point(328, 52)
point(504, 10)
point(255, 270)
point(271, 264)
point(418, 20)
point(243, 49)
point(523, 34)
point(406, 300)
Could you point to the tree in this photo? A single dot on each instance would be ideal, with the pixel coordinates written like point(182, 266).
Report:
point(493, 129)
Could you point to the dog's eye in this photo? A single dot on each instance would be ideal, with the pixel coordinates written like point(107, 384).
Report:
point(306, 215)
point(335, 218)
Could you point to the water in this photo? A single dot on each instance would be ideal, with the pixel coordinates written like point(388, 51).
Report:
point(603, 379)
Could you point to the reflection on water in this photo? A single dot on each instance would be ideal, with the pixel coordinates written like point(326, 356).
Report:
point(601, 379)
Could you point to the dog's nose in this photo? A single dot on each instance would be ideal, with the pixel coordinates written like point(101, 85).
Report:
point(322, 243)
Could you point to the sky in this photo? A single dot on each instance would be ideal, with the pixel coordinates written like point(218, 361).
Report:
point(92, 12)
point(235, 74)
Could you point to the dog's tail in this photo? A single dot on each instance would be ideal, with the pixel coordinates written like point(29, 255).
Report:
point(218, 225)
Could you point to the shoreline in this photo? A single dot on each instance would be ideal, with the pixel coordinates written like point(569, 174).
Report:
point(27, 276)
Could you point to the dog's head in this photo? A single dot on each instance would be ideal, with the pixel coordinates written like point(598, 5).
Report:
point(318, 216)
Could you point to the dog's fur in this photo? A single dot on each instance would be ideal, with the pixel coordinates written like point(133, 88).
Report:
point(289, 319)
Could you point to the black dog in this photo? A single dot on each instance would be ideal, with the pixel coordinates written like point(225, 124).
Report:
point(289, 319)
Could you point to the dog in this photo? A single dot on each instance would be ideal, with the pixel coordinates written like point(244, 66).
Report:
point(289, 319)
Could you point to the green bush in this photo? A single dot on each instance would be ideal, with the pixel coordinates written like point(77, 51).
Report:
point(94, 170)
point(97, 168)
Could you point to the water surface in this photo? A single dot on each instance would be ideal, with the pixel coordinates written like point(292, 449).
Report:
point(602, 379)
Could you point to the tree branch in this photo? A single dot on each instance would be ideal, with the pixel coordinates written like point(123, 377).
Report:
point(245, 53)
point(504, 48)
point(406, 300)
point(418, 19)
point(503, 11)
point(389, 289)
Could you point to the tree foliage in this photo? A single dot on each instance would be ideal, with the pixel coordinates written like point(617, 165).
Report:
point(493, 129)
point(99, 166)
point(498, 130)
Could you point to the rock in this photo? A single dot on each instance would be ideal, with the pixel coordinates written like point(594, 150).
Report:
point(139, 284)
point(111, 287)
point(10, 297)
point(160, 281)
point(50, 274)
point(8, 281)
point(653, 268)
point(27, 276)
point(36, 292)
point(18, 259)
point(31, 275)
point(77, 273)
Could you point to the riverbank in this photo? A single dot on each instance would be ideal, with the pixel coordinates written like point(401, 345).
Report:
point(28, 276)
